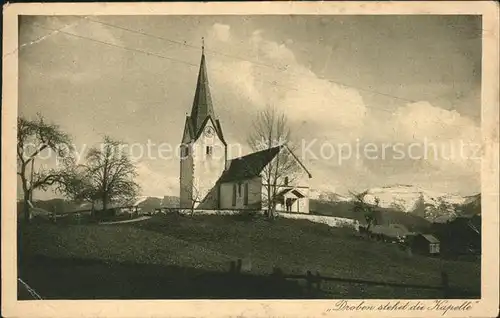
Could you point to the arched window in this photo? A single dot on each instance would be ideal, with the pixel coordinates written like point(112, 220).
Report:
point(234, 194)
point(245, 195)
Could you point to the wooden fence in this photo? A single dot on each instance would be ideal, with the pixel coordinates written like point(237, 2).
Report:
point(79, 215)
point(315, 284)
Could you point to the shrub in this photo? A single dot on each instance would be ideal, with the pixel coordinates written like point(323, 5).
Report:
point(247, 215)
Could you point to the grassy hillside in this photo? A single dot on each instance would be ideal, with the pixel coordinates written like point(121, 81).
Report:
point(384, 215)
point(172, 252)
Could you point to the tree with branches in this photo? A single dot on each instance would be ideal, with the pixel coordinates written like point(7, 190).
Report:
point(77, 185)
point(33, 138)
point(195, 197)
point(369, 211)
point(271, 129)
point(107, 176)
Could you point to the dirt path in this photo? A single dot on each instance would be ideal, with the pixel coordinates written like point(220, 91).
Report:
point(142, 218)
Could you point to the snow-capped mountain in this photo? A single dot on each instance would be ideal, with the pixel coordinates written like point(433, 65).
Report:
point(407, 198)
point(410, 199)
point(327, 196)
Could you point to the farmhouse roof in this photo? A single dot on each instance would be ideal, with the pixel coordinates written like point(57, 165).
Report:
point(431, 238)
point(400, 227)
point(250, 165)
point(391, 231)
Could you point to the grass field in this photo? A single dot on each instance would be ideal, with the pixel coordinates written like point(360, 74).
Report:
point(188, 257)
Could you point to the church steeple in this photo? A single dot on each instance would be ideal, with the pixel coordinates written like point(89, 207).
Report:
point(202, 104)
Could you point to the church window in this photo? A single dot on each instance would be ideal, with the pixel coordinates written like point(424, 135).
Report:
point(245, 195)
point(286, 181)
point(234, 194)
point(209, 150)
point(239, 189)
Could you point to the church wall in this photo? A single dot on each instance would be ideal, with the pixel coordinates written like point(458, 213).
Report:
point(299, 178)
point(186, 182)
point(254, 194)
point(207, 167)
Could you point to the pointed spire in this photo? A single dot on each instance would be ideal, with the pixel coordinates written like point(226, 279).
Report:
point(202, 104)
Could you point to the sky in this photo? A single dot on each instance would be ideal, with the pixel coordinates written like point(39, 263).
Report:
point(344, 82)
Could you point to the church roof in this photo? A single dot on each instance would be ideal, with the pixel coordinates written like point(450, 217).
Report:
point(202, 103)
point(296, 192)
point(202, 109)
point(250, 165)
point(193, 134)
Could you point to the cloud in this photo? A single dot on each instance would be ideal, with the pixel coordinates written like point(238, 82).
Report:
point(455, 138)
point(321, 109)
point(240, 78)
point(155, 183)
point(439, 145)
point(278, 79)
point(267, 72)
point(221, 32)
point(79, 37)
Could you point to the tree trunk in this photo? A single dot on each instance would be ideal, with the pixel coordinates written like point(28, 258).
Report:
point(104, 202)
point(92, 210)
point(270, 211)
point(26, 194)
point(26, 207)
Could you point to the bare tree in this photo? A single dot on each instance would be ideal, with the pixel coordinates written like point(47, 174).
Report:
point(108, 175)
point(368, 211)
point(195, 197)
point(420, 206)
point(271, 129)
point(34, 137)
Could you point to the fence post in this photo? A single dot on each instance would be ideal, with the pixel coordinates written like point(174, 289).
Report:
point(232, 267)
point(445, 284)
point(277, 283)
point(309, 282)
point(318, 281)
point(277, 274)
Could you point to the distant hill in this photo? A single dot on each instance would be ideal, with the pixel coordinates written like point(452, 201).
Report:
point(407, 199)
point(327, 196)
point(170, 201)
point(146, 203)
point(384, 216)
point(52, 205)
point(472, 206)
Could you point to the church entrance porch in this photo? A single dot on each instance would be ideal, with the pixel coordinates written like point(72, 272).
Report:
point(289, 200)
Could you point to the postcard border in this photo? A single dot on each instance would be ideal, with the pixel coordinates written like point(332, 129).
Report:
point(487, 306)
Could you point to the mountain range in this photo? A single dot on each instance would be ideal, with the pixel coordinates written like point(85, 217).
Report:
point(405, 204)
point(410, 200)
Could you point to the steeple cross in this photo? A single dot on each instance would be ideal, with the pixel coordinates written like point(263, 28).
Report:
point(203, 44)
